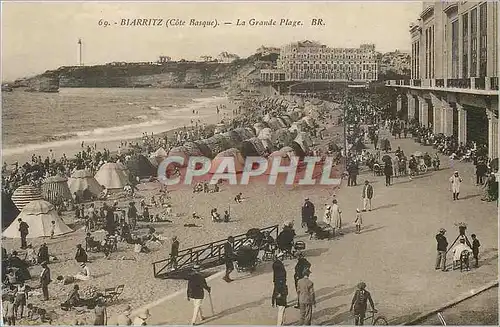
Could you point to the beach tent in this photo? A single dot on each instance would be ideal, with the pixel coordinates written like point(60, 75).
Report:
point(239, 161)
point(9, 210)
point(259, 127)
point(193, 149)
point(158, 156)
point(252, 147)
point(39, 215)
point(217, 143)
point(276, 123)
point(55, 188)
point(112, 176)
point(301, 144)
point(287, 120)
point(205, 149)
point(139, 166)
point(24, 195)
point(284, 136)
point(266, 134)
point(83, 182)
point(285, 154)
point(308, 120)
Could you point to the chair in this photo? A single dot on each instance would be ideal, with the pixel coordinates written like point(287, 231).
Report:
point(113, 293)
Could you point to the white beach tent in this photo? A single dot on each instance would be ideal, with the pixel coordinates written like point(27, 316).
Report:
point(82, 180)
point(38, 215)
point(112, 176)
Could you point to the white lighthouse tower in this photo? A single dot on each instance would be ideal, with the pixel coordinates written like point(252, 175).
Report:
point(80, 58)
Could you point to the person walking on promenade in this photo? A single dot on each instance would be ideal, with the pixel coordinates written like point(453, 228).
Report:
point(196, 286)
point(442, 245)
point(302, 266)
point(307, 299)
point(388, 173)
point(279, 271)
point(174, 252)
point(24, 231)
point(336, 216)
point(475, 250)
point(45, 281)
point(455, 181)
point(228, 258)
point(367, 196)
point(359, 221)
point(279, 299)
point(307, 212)
point(360, 303)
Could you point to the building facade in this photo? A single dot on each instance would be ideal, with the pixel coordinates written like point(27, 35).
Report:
point(311, 61)
point(454, 72)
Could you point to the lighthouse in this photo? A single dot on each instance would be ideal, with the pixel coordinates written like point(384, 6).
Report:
point(80, 58)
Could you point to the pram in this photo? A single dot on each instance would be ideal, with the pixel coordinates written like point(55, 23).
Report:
point(247, 258)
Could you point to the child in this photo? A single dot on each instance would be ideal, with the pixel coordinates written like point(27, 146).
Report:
point(475, 249)
point(52, 228)
point(358, 221)
point(9, 314)
point(237, 198)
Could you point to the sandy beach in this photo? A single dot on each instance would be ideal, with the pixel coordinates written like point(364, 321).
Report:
point(262, 206)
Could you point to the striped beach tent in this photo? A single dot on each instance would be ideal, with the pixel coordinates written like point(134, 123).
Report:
point(24, 195)
point(39, 215)
point(82, 181)
point(55, 188)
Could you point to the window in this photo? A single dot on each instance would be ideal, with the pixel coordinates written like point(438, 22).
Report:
point(473, 41)
point(483, 38)
point(454, 49)
point(465, 45)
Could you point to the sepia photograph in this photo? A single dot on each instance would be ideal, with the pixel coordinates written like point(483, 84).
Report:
point(249, 163)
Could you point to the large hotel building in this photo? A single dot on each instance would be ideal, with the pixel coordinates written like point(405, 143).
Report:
point(454, 72)
point(311, 61)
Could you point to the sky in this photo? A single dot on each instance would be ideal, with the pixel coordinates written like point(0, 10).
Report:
point(37, 36)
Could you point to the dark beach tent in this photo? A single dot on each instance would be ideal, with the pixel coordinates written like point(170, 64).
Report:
point(287, 119)
point(83, 182)
point(252, 148)
point(55, 188)
point(217, 143)
point(193, 149)
point(284, 136)
point(139, 166)
point(9, 210)
point(24, 195)
point(283, 122)
point(234, 154)
point(204, 149)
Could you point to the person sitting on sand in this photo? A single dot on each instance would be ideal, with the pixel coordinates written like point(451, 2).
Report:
point(37, 314)
point(215, 215)
point(206, 189)
point(139, 247)
point(168, 210)
point(153, 201)
point(84, 274)
point(195, 215)
point(81, 255)
point(237, 198)
point(145, 214)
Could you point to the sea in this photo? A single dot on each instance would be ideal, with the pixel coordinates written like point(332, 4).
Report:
point(38, 121)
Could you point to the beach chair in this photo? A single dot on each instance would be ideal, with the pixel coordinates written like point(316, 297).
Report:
point(113, 293)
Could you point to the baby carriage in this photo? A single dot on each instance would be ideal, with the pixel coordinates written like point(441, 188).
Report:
point(247, 258)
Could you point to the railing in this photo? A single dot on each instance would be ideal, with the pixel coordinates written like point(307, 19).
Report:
point(494, 83)
point(210, 254)
point(417, 82)
point(439, 82)
point(459, 83)
point(406, 82)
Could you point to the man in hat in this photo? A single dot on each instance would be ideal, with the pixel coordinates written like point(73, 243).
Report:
point(300, 268)
point(123, 318)
point(141, 319)
point(307, 212)
point(132, 215)
point(359, 304)
point(367, 196)
point(195, 290)
point(228, 258)
point(455, 182)
point(279, 271)
point(174, 252)
point(442, 245)
point(23, 230)
point(45, 280)
point(306, 298)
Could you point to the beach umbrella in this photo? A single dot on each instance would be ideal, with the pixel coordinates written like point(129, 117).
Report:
point(24, 195)
point(55, 188)
point(39, 215)
point(82, 181)
point(141, 167)
point(112, 176)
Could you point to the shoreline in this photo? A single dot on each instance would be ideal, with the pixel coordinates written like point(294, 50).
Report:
point(206, 114)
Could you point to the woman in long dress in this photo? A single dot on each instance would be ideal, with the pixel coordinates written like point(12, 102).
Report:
point(336, 216)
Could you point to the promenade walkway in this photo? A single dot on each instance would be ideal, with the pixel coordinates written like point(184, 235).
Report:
point(394, 255)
